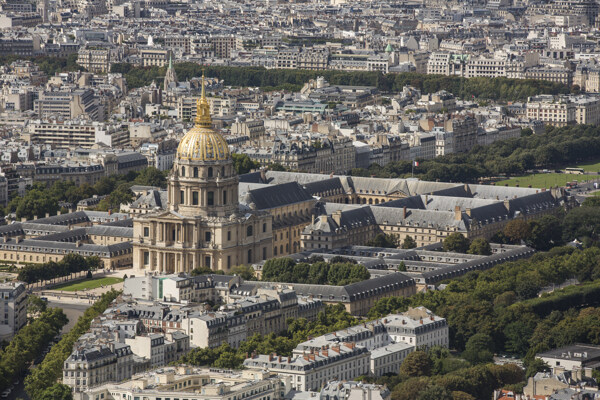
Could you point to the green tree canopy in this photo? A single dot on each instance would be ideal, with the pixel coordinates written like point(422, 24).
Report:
point(456, 242)
point(481, 247)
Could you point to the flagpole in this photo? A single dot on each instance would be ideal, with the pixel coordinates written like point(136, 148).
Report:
point(413, 169)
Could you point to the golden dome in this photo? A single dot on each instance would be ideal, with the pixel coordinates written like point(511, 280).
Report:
point(202, 142)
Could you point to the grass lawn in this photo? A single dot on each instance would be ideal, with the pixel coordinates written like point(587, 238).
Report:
point(590, 167)
point(87, 284)
point(545, 180)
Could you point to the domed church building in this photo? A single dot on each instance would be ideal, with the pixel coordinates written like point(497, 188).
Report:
point(204, 225)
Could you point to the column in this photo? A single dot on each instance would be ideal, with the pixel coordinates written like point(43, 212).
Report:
point(152, 265)
point(161, 265)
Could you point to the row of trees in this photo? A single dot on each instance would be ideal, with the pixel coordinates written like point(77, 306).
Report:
point(435, 374)
point(493, 302)
point(70, 264)
point(338, 272)
point(500, 89)
point(457, 243)
point(41, 383)
point(48, 64)
point(40, 200)
point(557, 147)
point(330, 319)
point(28, 344)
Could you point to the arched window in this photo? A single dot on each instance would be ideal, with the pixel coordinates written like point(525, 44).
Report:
point(249, 231)
point(195, 172)
point(210, 172)
point(182, 171)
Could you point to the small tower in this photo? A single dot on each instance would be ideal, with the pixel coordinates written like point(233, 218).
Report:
point(170, 77)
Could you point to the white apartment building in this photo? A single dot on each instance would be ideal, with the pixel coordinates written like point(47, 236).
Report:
point(75, 133)
point(314, 369)
point(184, 382)
point(389, 340)
point(93, 365)
point(557, 111)
point(13, 308)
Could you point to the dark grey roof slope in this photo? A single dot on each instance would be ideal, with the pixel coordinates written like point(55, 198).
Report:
point(324, 186)
point(277, 195)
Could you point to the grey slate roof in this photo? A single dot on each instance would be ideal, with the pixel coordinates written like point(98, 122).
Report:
point(272, 196)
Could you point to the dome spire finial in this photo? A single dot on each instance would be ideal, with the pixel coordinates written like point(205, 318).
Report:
point(203, 119)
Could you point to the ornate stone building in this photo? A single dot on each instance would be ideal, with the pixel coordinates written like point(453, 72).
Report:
point(204, 224)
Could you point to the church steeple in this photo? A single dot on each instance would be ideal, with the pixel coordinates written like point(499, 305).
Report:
point(170, 76)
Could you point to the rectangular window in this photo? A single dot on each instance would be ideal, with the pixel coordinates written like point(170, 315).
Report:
point(146, 231)
point(207, 236)
point(210, 199)
point(146, 258)
point(195, 198)
point(228, 261)
point(181, 197)
point(228, 235)
point(224, 197)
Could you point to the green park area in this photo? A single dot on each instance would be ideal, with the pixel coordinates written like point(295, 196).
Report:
point(545, 180)
point(595, 167)
point(87, 284)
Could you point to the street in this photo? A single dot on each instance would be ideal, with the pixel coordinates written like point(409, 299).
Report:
point(72, 310)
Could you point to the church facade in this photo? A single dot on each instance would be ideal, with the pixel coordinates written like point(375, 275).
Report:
point(204, 224)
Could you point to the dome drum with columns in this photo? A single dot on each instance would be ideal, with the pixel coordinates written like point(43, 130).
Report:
point(203, 226)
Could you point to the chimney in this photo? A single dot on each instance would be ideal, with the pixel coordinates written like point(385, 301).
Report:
point(507, 205)
point(468, 211)
point(457, 213)
point(349, 345)
point(289, 360)
point(313, 219)
point(404, 212)
point(279, 359)
point(78, 243)
point(47, 215)
point(325, 353)
point(336, 348)
point(23, 219)
point(421, 321)
point(337, 217)
point(34, 217)
point(58, 212)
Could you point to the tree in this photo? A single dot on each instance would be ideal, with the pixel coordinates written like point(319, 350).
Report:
point(481, 247)
point(517, 230)
point(244, 271)
point(35, 305)
point(402, 267)
point(580, 223)
point(409, 242)
point(151, 176)
point(58, 391)
point(526, 132)
point(383, 240)
point(434, 392)
point(243, 163)
point(416, 364)
point(456, 242)
point(479, 349)
point(545, 233)
point(534, 366)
